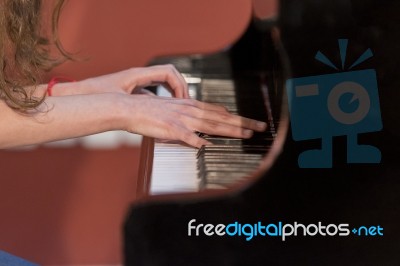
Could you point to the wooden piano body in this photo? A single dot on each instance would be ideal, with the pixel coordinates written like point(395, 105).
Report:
point(365, 194)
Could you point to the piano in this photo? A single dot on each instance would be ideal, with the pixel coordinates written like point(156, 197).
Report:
point(251, 88)
point(224, 187)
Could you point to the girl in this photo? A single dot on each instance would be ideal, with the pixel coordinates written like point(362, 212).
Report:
point(109, 102)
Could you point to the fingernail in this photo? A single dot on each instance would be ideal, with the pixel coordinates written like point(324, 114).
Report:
point(247, 132)
point(261, 125)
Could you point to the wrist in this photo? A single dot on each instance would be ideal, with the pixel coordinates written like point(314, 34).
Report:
point(132, 111)
point(120, 112)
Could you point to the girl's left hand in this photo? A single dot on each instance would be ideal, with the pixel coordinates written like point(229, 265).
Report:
point(135, 79)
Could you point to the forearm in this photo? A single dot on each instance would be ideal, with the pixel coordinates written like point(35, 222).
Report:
point(127, 82)
point(61, 118)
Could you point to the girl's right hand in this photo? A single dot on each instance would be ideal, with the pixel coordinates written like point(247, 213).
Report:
point(179, 119)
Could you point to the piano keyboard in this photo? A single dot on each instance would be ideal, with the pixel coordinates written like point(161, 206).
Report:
point(178, 168)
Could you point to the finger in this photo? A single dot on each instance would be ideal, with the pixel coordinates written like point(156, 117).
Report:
point(175, 82)
point(144, 91)
point(184, 83)
point(236, 120)
point(233, 120)
point(203, 105)
point(216, 128)
point(190, 137)
point(211, 107)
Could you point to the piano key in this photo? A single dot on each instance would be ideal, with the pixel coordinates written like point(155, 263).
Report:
point(177, 163)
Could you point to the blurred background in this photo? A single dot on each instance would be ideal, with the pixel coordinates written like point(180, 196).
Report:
point(63, 203)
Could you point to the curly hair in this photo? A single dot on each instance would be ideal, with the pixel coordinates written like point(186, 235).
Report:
point(25, 51)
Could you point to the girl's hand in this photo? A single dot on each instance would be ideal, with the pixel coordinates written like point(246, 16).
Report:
point(129, 81)
point(179, 119)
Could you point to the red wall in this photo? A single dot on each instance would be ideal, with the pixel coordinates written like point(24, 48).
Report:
point(119, 34)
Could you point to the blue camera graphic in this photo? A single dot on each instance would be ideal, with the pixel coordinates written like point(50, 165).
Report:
point(338, 104)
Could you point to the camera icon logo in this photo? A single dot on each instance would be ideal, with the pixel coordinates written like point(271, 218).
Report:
point(338, 104)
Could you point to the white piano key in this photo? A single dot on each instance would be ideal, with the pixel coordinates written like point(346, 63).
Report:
point(174, 169)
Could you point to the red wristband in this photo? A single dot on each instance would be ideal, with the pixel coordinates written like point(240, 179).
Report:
point(54, 81)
